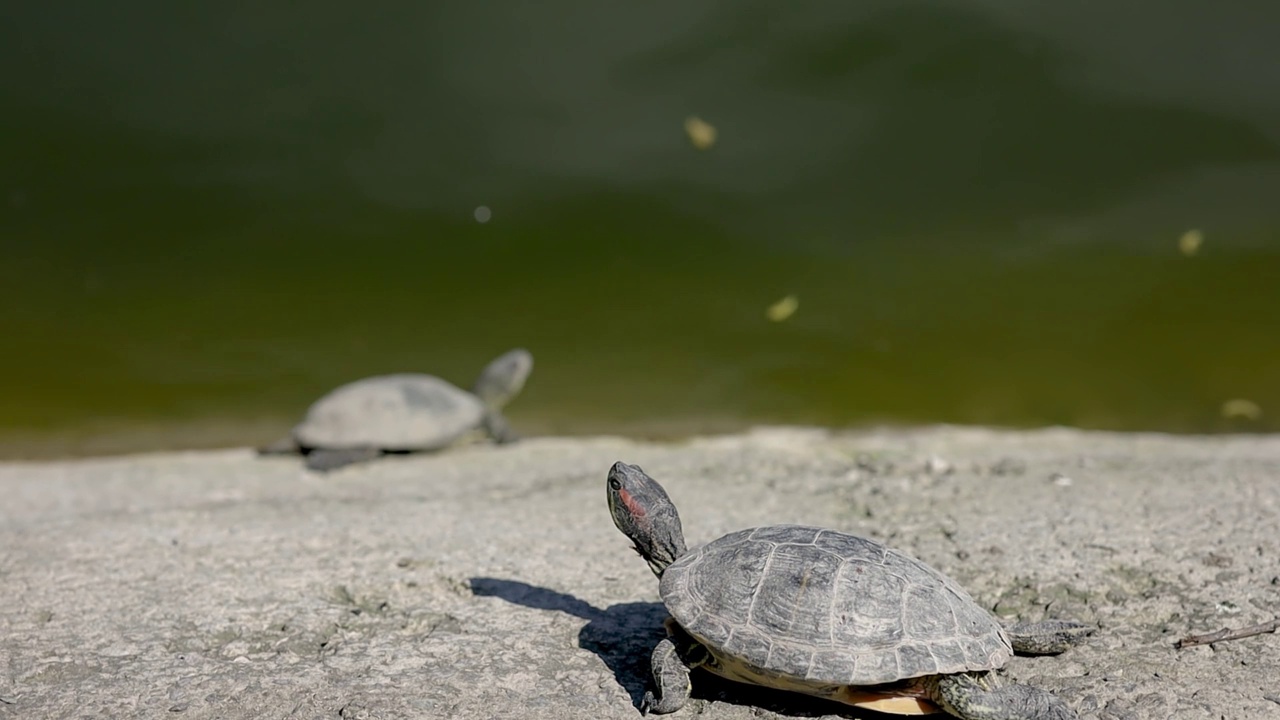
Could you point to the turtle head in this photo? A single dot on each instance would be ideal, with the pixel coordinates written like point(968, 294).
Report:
point(503, 379)
point(644, 513)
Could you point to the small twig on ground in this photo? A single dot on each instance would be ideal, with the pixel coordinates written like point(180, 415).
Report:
point(1226, 634)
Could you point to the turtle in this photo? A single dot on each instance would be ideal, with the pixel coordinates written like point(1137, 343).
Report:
point(405, 412)
point(828, 614)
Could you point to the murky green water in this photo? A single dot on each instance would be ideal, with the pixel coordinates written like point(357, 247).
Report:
point(214, 215)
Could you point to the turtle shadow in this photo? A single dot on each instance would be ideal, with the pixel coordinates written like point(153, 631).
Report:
point(624, 635)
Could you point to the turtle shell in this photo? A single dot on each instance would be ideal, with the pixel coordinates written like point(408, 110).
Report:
point(821, 607)
point(406, 411)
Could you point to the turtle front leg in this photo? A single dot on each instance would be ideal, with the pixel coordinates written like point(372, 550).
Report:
point(1048, 637)
point(672, 661)
point(671, 678)
point(981, 696)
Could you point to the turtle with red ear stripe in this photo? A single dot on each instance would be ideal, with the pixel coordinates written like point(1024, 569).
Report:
point(825, 613)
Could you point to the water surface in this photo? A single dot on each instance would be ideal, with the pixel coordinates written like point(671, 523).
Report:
point(214, 214)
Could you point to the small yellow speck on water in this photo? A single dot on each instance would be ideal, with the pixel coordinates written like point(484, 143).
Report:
point(783, 309)
point(1241, 408)
point(1190, 242)
point(701, 133)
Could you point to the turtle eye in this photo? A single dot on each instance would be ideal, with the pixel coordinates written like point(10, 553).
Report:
point(614, 484)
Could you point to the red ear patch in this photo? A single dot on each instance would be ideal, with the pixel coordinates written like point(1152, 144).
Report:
point(634, 507)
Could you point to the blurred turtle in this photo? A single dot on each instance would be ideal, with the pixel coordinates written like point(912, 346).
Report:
point(405, 412)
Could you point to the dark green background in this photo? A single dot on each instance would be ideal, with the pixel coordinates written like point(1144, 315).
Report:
point(215, 212)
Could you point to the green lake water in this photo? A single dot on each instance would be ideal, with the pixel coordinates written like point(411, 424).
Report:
point(211, 215)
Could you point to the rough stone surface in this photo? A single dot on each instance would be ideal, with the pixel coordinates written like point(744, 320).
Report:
point(489, 582)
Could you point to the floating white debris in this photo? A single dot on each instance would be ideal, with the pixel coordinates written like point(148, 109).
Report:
point(783, 309)
point(483, 213)
point(701, 133)
point(1241, 408)
point(1190, 242)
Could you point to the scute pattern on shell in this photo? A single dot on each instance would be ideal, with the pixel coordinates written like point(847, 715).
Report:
point(828, 607)
point(405, 411)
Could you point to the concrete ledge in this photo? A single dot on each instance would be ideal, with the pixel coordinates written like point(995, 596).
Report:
point(490, 582)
